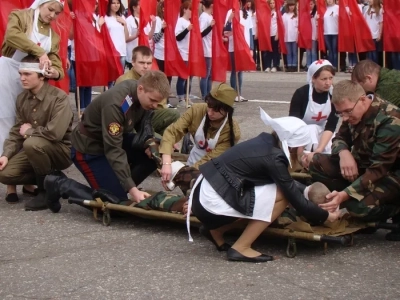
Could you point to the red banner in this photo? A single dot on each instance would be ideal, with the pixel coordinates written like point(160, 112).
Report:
point(305, 27)
point(197, 63)
point(6, 6)
point(113, 57)
point(346, 34)
point(174, 64)
point(220, 56)
point(391, 34)
point(62, 26)
point(263, 16)
point(90, 56)
point(281, 27)
point(243, 58)
point(362, 37)
point(321, 9)
point(147, 8)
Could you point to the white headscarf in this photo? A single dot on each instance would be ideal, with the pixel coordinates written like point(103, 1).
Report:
point(314, 67)
point(37, 3)
point(30, 67)
point(292, 131)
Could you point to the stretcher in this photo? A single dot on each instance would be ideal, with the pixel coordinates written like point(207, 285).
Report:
point(293, 229)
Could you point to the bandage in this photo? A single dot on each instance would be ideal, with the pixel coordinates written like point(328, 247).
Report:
point(31, 67)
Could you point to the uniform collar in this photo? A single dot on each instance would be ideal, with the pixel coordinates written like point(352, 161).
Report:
point(42, 24)
point(373, 110)
point(42, 92)
point(135, 74)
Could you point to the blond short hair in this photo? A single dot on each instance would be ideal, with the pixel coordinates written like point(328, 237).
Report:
point(346, 89)
point(155, 81)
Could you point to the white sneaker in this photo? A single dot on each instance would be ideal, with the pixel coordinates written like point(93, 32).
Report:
point(242, 99)
point(237, 99)
point(273, 70)
point(193, 97)
point(268, 70)
point(169, 105)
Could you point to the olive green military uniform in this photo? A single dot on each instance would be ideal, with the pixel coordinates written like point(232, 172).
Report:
point(15, 38)
point(46, 146)
point(388, 86)
point(374, 144)
point(162, 116)
point(102, 141)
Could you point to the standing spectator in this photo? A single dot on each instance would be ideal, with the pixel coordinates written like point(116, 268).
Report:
point(290, 21)
point(331, 29)
point(374, 19)
point(271, 58)
point(206, 22)
point(132, 22)
point(312, 53)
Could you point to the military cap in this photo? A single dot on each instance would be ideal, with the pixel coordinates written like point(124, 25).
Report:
point(224, 93)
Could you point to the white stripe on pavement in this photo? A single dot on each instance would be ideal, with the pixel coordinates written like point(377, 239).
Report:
point(270, 101)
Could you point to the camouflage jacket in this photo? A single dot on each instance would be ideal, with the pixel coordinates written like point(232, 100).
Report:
point(375, 145)
point(388, 86)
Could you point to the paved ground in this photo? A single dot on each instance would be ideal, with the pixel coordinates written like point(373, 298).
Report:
point(71, 256)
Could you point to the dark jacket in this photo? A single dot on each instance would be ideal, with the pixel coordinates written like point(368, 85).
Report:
point(255, 162)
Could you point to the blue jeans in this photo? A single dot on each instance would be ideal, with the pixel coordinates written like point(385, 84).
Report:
point(312, 53)
point(71, 73)
point(396, 60)
point(233, 74)
point(205, 82)
point(85, 93)
point(331, 42)
point(181, 86)
point(373, 55)
point(291, 48)
point(352, 59)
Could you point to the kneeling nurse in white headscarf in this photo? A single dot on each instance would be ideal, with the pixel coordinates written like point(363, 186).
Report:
point(251, 181)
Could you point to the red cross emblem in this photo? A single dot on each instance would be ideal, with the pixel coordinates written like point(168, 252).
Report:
point(320, 62)
point(38, 44)
point(319, 117)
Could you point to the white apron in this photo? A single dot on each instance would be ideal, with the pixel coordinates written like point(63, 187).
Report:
point(199, 141)
point(315, 117)
point(10, 85)
point(265, 196)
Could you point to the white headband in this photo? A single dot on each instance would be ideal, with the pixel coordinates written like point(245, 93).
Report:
point(37, 3)
point(292, 131)
point(31, 67)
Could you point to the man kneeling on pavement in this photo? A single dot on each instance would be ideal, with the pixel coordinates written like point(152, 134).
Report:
point(363, 170)
point(112, 158)
point(39, 142)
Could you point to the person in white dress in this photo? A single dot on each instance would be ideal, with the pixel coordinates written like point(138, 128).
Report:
point(28, 31)
point(312, 104)
point(374, 18)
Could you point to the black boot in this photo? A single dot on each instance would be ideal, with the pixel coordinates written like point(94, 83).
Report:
point(394, 235)
point(63, 187)
point(39, 202)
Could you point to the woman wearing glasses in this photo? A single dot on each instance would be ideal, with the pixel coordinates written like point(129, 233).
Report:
point(312, 104)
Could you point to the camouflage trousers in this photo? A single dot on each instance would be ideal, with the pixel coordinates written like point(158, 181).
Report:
point(379, 202)
point(185, 179)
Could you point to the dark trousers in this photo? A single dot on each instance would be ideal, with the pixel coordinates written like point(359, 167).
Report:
point(99, 174)
point(85, 93)
point(378, 202)
point(331, 44)
point(271, 59)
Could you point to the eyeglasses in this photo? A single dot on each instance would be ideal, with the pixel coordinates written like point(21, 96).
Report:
point(348, 112)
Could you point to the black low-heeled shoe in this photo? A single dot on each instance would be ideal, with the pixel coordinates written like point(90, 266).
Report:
point(25, 191)
point(234, 255)
point(207, 234)
point(12, 198)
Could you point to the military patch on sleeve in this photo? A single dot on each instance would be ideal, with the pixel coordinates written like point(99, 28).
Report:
point(126, 104)
point(114, 129)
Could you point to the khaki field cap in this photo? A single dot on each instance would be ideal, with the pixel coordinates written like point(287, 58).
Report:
point(224, 93)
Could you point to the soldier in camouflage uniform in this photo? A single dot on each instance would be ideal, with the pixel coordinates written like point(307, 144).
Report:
point(364, 167)
point(383, 82)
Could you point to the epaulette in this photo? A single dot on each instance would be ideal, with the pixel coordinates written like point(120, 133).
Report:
point(126, 104)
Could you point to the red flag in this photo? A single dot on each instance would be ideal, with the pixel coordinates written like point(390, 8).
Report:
point(197, 63)
point(220, 56)
point(62, 26)
point(243, 59)
point(6, 6)
point(90, 55)
point(263, 16)
point(391, 34)
point(281, 27)
point(147, 8)
point(305, 27)
point(26, 3)
point(346, 34)
point(113, 57)
point(321, 9)
point(362, 37)
point(174, 64)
